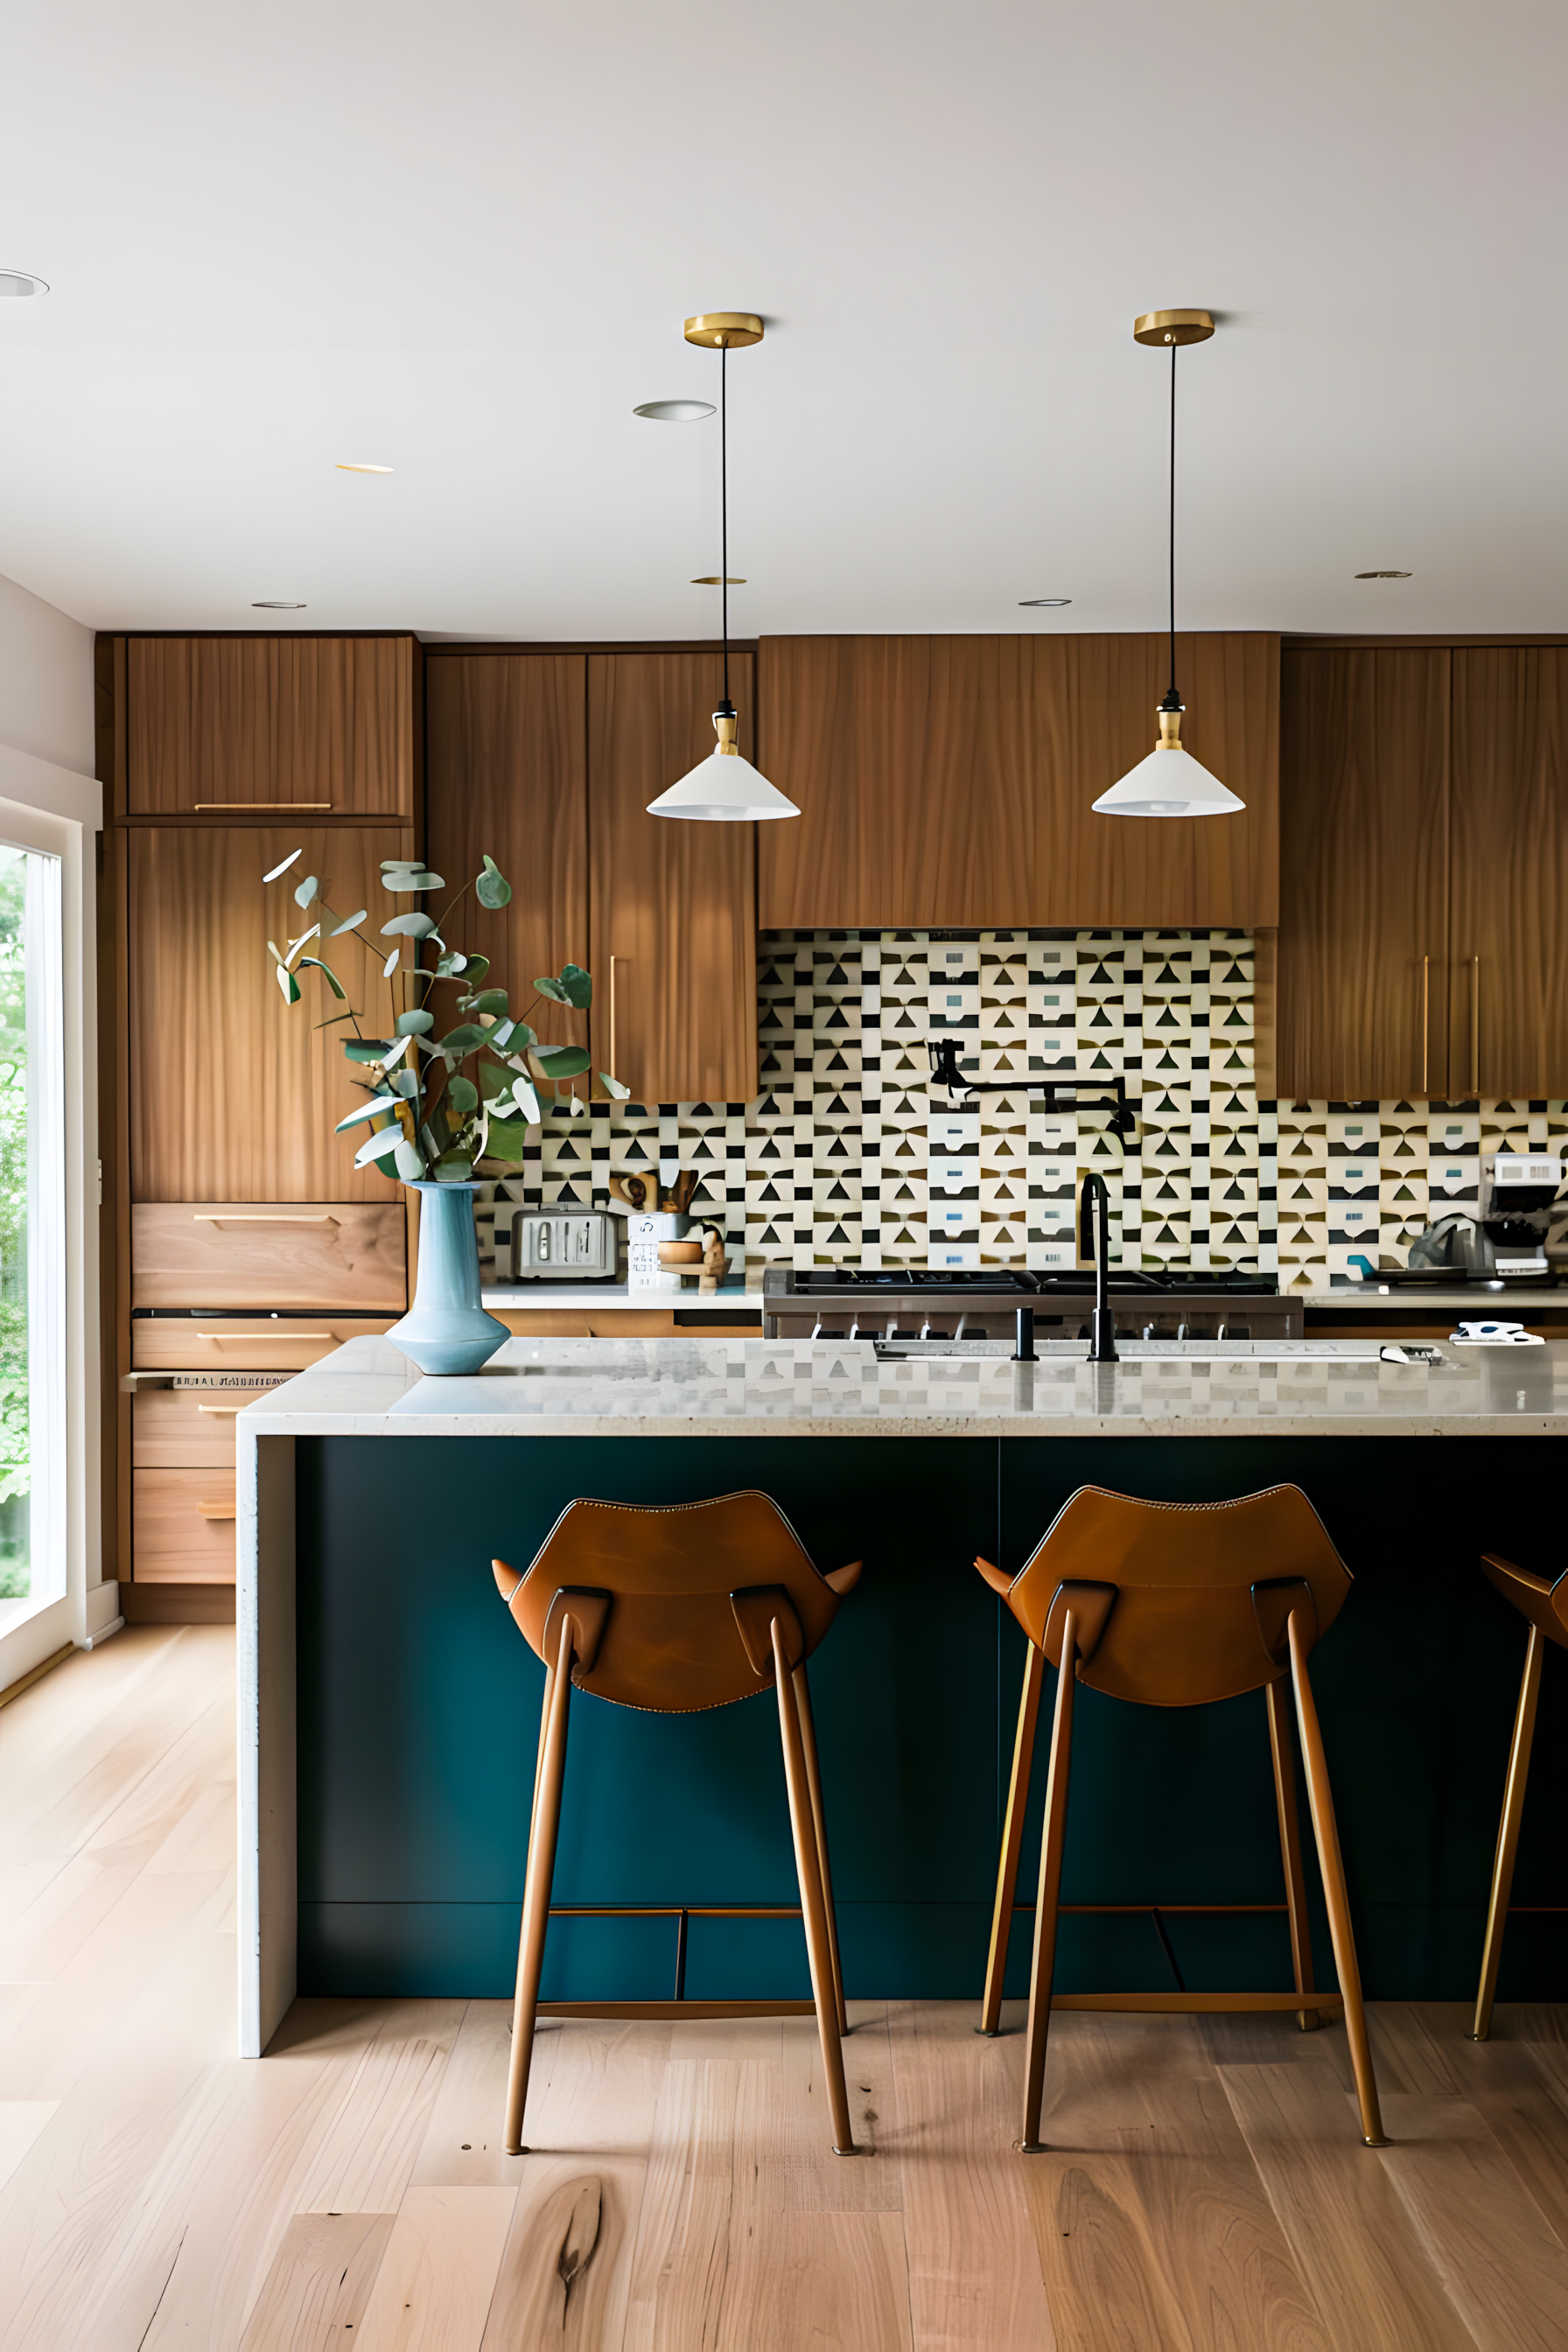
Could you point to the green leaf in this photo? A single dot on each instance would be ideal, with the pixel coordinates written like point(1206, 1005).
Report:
point(413, 878)
point(339, 929)
point(332, 981)
point(553, 989)
point(277, 870)
point(307, 890)
point(491, 866)
point(414, 926)
point(578, 985)
point(408, 1163)
point(475, 968)
point(399, 865)
point(393, 961)
point(492, 890)
point(563, 1061)
point(495, 1083)
point(527, 1101)
point(406, 1085)
point(377, 1145)
point(507, 1139)
point(464, 1039)
point(454, 1169)
point(488, 1000)
point(414, 1024)
point(450, 965)
point(376, 1107)
point(614, 1087)
point(367, 1049)
point(303, 941)
point(463, 1095)
point(287, 984)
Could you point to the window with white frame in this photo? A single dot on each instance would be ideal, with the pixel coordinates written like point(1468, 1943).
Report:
point(32, 1234)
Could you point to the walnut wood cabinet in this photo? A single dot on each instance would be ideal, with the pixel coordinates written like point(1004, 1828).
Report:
point(225, 727)
point(234, 1095)
point(507, 773)
point(949, 781)
point(1423, 919)
point(672, 906)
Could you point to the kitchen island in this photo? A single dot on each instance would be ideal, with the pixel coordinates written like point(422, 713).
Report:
point(389, 1710)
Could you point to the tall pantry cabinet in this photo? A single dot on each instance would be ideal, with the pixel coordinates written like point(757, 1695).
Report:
point(244, 1244)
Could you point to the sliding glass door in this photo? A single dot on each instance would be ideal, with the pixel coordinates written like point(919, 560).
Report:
point(32, 1236)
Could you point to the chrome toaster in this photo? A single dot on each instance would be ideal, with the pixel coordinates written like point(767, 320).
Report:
point(558, 1245)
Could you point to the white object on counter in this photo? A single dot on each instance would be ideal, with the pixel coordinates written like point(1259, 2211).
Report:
point(1495, 1335)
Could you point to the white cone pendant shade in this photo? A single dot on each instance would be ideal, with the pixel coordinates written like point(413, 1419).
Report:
point(724, 788)
point(1169, 782)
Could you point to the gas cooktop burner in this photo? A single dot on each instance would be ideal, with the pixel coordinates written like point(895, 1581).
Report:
point(1018, 1282)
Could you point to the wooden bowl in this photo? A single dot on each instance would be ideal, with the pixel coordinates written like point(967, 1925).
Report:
point(680, 1252)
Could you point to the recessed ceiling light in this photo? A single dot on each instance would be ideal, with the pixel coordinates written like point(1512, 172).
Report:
point(1026, 603)
point(345, 467)
point(21, 282)
point(275, 604)
point(712, 580)
point(675, 412)
point(1383, 575)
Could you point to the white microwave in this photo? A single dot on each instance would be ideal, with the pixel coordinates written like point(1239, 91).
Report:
point(558, 1245)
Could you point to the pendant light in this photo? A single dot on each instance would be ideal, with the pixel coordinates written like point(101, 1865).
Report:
point(1169, 781)
point(724, 788)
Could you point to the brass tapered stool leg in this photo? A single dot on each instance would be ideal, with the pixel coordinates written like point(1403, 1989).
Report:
point(1282, 1746)
point(1050, 1891)
point(1508, 1831)
point(1330, 1864)
point(813, 1903)
point(819, 1819)
point(543, 1830)
point(1012, 1839)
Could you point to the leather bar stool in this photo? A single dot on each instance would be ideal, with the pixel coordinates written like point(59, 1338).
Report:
point(674, 1608)
point(1545, 1608)
point(1176, 1604)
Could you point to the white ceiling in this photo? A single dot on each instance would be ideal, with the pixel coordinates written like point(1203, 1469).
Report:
point(461, 240)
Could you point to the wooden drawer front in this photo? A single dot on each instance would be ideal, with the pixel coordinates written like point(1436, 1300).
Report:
point(172, 1344)
point(177, 1540)
point(233, 727)
point(188, 1429)
point(265, 1253)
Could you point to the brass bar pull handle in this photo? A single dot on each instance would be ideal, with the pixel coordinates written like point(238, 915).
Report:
point(613, 961)
point(220, 1408)
point(1425, 1024)
point(284, 808)
point(1476, 1027)
point(229, 1338)
point(217, 1510)
point(222, 1217)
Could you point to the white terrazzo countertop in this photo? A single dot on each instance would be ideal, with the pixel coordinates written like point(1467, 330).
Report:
point(709, 1388)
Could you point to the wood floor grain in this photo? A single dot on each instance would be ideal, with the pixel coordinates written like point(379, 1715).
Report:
point(1204, 2184)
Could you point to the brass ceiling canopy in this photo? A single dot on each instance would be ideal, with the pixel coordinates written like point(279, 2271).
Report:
point(1166, 326)
point(732, 331)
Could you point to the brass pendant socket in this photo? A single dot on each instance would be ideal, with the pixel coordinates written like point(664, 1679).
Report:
point(726, 331)
point(1162, 328)
point(1170, 731)
point(727, 726)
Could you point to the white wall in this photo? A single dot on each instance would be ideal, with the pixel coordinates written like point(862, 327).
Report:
point(46, 681)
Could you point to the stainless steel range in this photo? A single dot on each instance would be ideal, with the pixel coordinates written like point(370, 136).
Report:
point(834, 1302)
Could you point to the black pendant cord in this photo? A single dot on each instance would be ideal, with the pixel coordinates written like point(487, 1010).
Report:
point(724, 518)
point(1171, 699)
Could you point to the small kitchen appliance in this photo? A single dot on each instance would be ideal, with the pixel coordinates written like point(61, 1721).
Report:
point(1506, 1240)
point(557, 1246)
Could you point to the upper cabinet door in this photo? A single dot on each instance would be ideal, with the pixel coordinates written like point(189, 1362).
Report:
point(506, 751)
point(235, 1095)
point(949, 782)
point(674, 909)
point(1509, 924)
point(233, 727)
point(1363, 973)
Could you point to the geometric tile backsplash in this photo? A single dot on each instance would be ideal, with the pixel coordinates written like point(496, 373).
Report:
point(845, 1157)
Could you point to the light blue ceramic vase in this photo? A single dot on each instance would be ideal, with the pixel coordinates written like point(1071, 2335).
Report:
point(446, 1329)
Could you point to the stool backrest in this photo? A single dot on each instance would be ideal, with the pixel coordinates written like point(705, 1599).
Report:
point(1543, 1604)
point(673, 1640)
point(1184, 1626)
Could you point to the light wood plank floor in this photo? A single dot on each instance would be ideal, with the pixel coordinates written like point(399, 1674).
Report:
point(1204, 2188)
